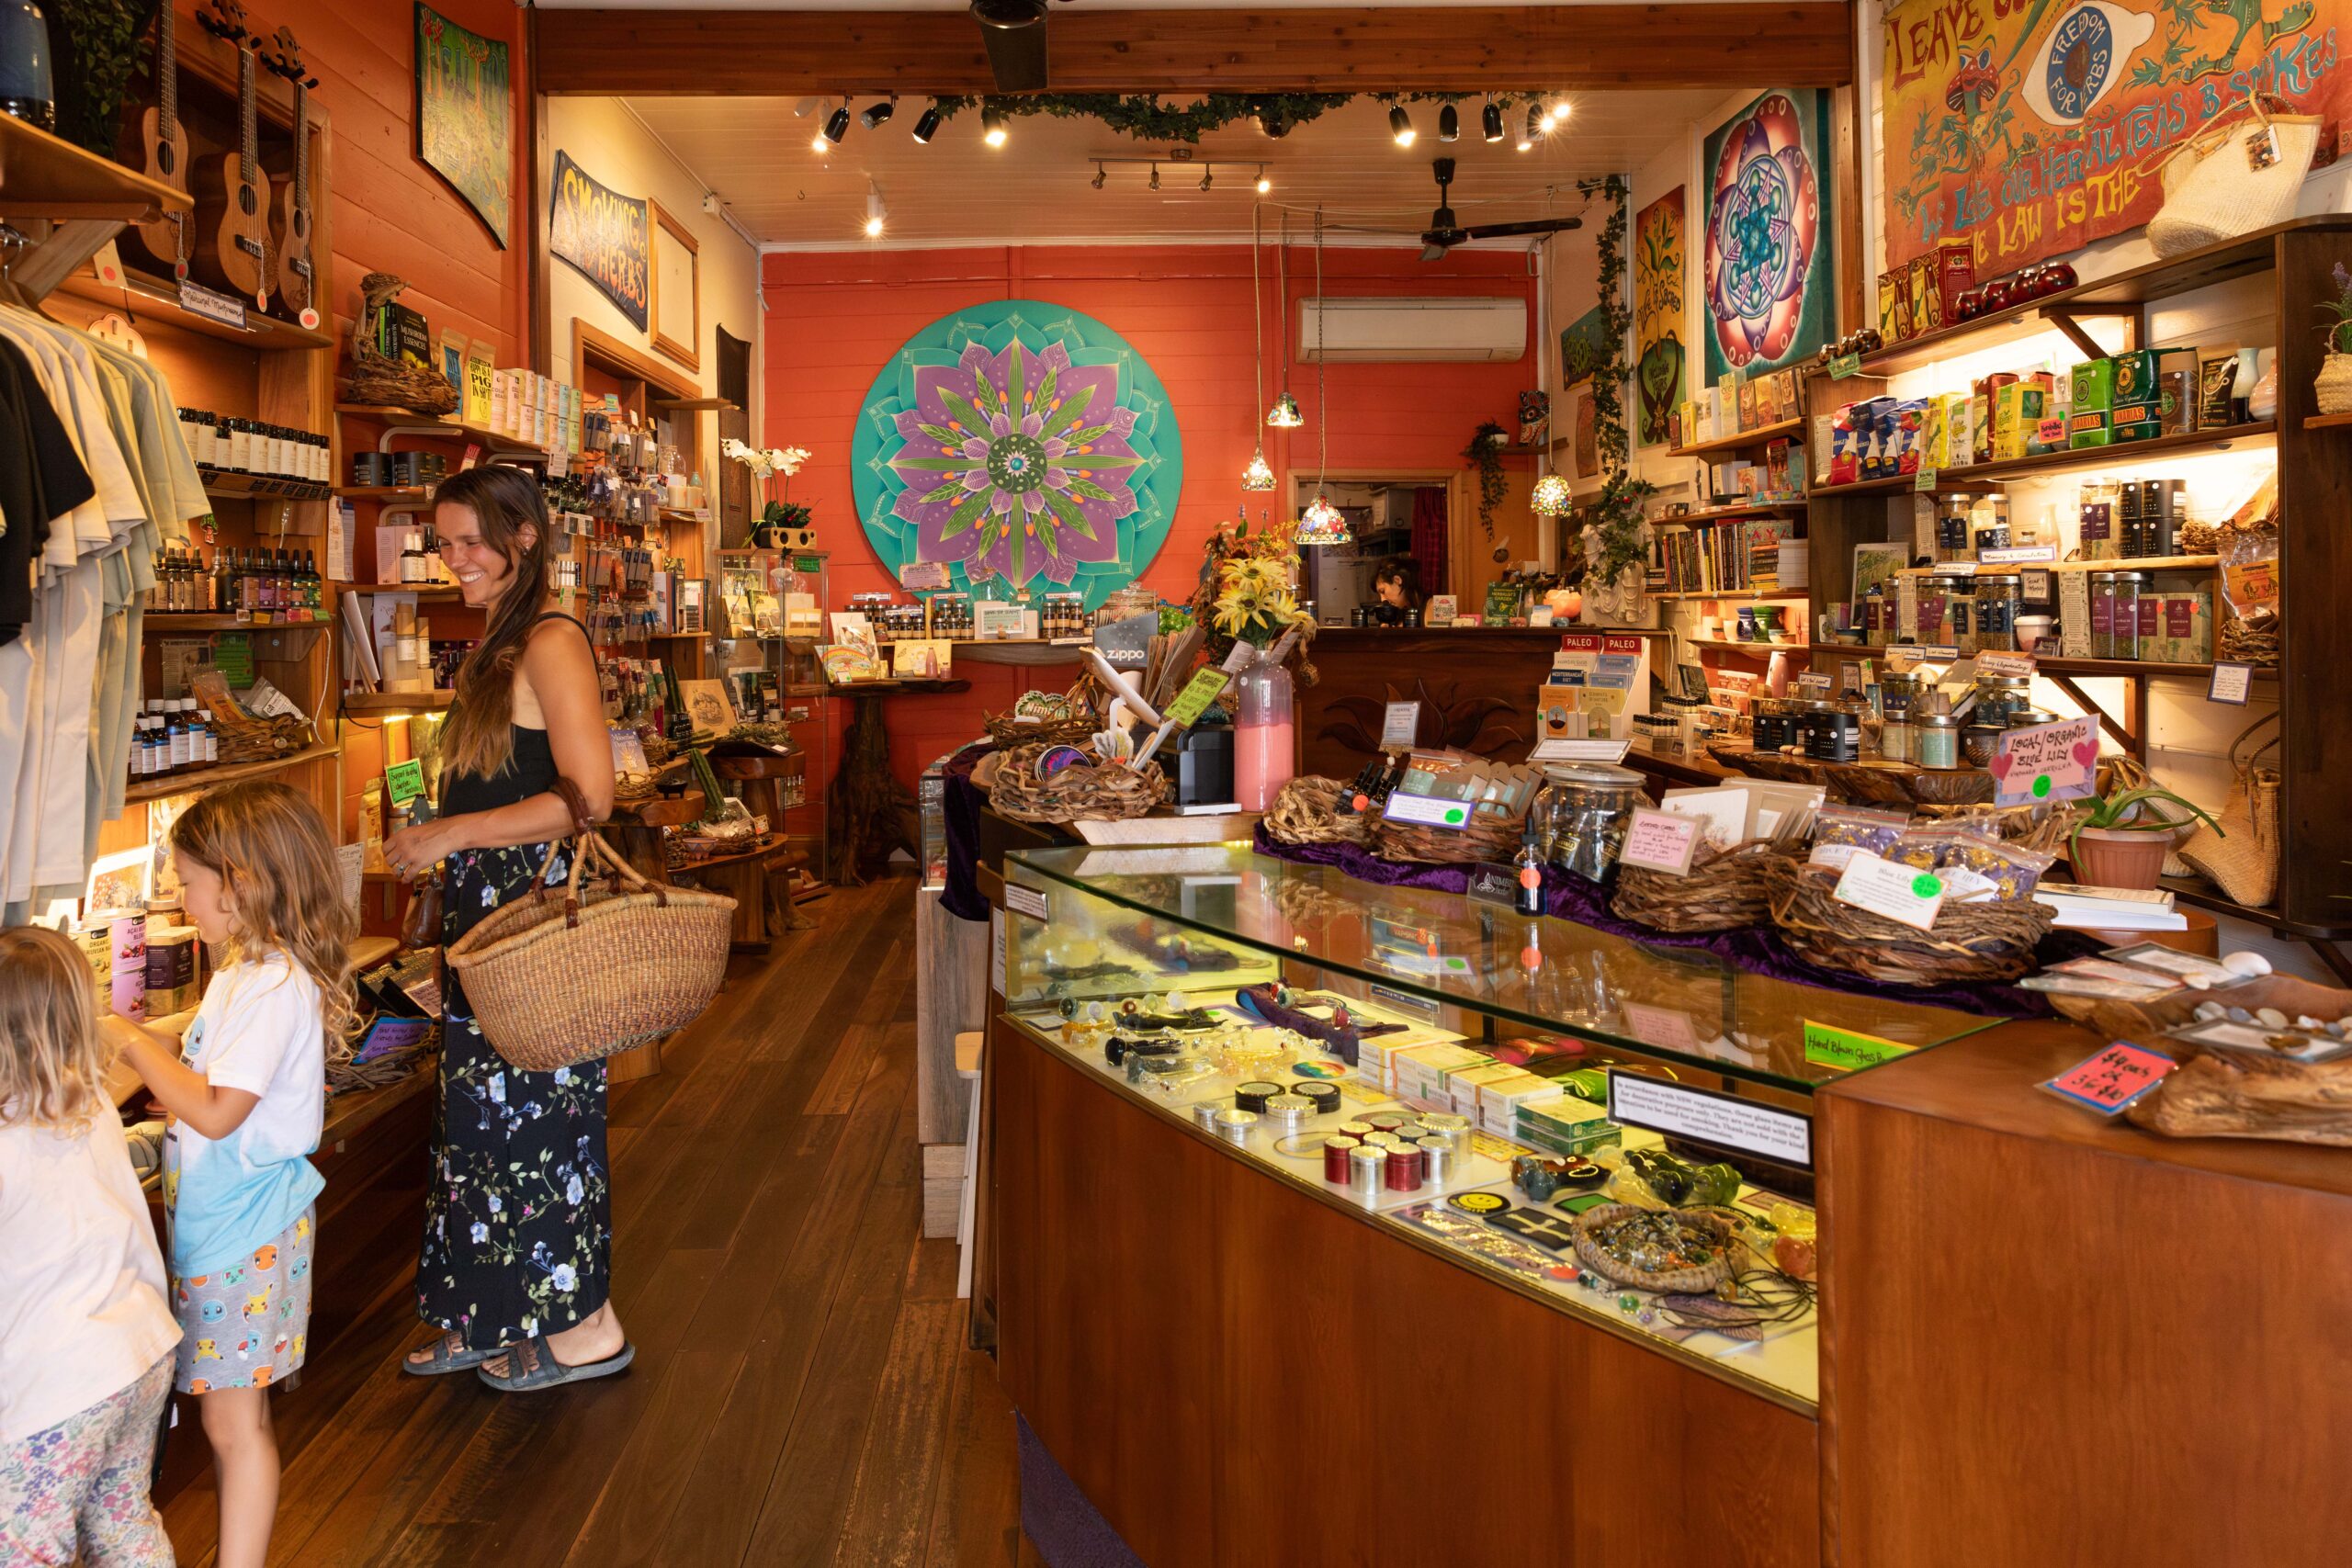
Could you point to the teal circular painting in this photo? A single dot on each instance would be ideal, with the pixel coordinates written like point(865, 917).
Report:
point(1014, 441)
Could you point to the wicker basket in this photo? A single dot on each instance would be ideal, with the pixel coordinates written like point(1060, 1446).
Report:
point(1487, 838)
point(1969, 943)
point(557, 982)
point(1695, 1281)
point(1307, 811)
point(1725, 891)
point(1083, 792)
point(1007, 730)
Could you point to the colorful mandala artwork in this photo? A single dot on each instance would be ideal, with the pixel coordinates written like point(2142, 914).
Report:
point(1766, 282)
point(1018, 440)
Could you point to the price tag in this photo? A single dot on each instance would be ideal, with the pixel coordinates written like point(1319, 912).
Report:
point(1579, 752)
point(1024, 900)
point(198, 301)
point(1193, 701)
point(1898, 891)
point(404, 782)
point(2231, 683)
point(107, 265)
point(2045, 762)
point(918, 575)
point(2005, 664)
point(2035, 587)
point(1845, 366)
point(1925, 479)
point(1399, 724)
point(1668, 1029)
point(1243, 655)
point(1812, 680)
point(1426, 812)
point(1846, 1050)
point(2016, 555)
point(1661, 841)
point(2113, 1079)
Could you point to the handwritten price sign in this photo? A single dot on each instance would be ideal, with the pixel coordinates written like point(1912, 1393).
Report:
point(2113, 1079)
point(2046, 761)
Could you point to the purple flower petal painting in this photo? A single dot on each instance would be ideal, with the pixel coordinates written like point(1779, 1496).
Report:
point(1020, 452)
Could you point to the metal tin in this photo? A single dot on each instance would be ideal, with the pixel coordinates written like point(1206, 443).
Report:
point(1358, 1129)
point(1335, 1158)
point(1443, 1123)
point(1439, 1149)
point(1387, 1121)
point(1285, 1113)
point(1365, 1168)
point(1405, 1167)
point(1382, 1140)
point(1234, 1126)
point(1324, 1097)
point(1206, 1113)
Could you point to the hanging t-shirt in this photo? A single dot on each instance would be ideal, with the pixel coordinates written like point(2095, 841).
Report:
point(259, 1030)
point(41, 478)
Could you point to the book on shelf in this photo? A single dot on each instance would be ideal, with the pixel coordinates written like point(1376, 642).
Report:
point(1735, 555)
point(2082, 907)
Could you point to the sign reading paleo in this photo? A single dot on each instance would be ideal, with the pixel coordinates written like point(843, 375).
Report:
point(604, 234)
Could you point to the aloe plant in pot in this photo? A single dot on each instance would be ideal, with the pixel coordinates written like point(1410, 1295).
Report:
point(2123, 840)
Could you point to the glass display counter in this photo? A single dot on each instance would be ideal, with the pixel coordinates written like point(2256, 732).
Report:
point(1619, 1130)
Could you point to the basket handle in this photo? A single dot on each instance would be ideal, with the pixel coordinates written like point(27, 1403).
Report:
point(2248, 734)
point(588, 845)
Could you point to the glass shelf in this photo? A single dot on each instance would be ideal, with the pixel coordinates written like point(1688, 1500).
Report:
point(1674, 1004)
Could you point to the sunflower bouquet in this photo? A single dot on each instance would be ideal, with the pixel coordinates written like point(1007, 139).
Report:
point(1248, 592)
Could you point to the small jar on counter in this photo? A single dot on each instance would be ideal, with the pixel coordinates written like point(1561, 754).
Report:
point(1936, 740)
point(2000, 598)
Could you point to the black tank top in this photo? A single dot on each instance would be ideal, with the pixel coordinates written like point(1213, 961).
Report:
point(529, 772)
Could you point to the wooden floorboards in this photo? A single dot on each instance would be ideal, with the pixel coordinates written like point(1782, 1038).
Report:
point(801, 1392)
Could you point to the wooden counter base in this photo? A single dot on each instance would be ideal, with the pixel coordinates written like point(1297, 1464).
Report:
point(1236, 1372)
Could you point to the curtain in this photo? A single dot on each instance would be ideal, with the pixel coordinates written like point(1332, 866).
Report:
point(1429, 536)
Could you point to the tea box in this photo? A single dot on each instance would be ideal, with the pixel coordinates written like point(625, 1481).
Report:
point(2016, 420)
point(2094, 400)
point(2136, 406)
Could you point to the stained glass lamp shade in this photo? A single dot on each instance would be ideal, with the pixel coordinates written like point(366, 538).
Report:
point(1284, 414)
point(1323, 523)
point(1258, 476)
point(1551, 498)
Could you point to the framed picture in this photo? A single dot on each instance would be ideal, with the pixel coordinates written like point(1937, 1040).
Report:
point(707, 705)
point(677, 290)
point(465, 116)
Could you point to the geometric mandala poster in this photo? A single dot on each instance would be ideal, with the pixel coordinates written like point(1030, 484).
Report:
point(1018, 440)
point(1766, 283)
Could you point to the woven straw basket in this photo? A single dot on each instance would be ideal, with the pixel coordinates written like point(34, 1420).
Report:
point(2212, 189)
point(557, 982)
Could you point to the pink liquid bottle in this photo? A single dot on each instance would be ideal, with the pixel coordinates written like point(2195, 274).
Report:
point(1263, 750)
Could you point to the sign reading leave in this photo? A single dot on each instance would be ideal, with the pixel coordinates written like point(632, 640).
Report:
point(2046, 761)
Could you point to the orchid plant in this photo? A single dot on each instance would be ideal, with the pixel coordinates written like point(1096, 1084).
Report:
point(772, 468)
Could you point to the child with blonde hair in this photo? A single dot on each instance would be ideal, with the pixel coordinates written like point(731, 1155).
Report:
point(247, 1090)
point(85, 1338)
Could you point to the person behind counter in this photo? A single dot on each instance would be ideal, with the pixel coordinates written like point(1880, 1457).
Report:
point(1398, 584)
point(516, 1266)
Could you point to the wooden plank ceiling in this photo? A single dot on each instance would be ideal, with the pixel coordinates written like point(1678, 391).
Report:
point(641, 53)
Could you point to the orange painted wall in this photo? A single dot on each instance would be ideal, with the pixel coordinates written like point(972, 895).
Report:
point(835, 318)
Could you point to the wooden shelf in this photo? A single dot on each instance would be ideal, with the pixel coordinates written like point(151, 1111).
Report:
point(2326, 421)
point(166, 621)
point(223, 486)
point(1731, 509)
point(1757, 437)
point(1978, 475)
point(396, 701)
point(227, 772)
point(44, 175)
point(153, 294)
point(1728, 646)
point(1787, 594)
point(694, 405)
point(384, 492)
point(2136, 563)
point(436, 424)
point(422, 590)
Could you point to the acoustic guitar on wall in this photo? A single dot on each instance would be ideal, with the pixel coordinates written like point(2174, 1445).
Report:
point(234, 206)
point(164, 142)
point(298, 286)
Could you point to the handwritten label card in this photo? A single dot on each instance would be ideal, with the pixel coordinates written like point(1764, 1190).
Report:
point(1813, 683)
point(2231, 683)
point(2046, 761)
point(1660, 840)
point(2112, 1079)
point(2005, 664)
point(1586, 750)
point(1898, 891)
point(1847, 1050)
point(918, 575)
point(1399, 724)
point(1202, 690)
point(1666, 1028)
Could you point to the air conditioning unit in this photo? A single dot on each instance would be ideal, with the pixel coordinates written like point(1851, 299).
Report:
point(1484, 330)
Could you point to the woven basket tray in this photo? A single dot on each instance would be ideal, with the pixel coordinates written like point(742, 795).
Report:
point(1007, 730)
point(1083, 792)
point(1307, 812)
point(1487, 838)
point(1969, 943)
point(1729, 891)
point(1694, 1281)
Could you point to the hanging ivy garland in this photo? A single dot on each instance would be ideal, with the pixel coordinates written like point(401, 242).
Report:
point(1615, 513)
point(1145, 119)
point(1486, 455)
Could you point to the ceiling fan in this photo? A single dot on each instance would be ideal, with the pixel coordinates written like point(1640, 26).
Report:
point(1013, 31)
point(1445, 230)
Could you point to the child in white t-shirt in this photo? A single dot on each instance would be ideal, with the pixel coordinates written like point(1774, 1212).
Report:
point(246, 1089)
point(85, 1338)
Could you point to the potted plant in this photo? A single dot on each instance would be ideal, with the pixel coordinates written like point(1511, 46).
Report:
point(1485, 454)
point(2333, 386)
point(2122, 841)
point(783, 523)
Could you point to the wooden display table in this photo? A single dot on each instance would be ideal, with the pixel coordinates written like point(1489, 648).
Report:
point(759, 778)
point(871, 813)
point(751, 877)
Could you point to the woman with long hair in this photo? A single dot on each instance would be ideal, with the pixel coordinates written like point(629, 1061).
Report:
point(515, 1264)
point(1396, 588)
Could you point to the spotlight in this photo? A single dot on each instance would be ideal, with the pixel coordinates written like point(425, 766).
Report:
point(1449, 124)
point(927, 124)
point(1527, 137)
point(1272, 122)
point(1208, 177)
point(806, 106)
point(1561, 109)
point(1100, 175)
point(838, 126)
point(875, 210)
point(1544, 124)
point(1265, 185)
point(992, 127)
point(1155, 176)
point(876, 115)
point(1400, 125)
point(817, 142)
point(1490, 120)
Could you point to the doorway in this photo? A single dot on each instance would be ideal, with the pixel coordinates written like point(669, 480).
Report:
point(1402, 516)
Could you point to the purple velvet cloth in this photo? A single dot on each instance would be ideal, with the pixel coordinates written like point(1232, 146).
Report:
point(1758, 952)
point(960, 806)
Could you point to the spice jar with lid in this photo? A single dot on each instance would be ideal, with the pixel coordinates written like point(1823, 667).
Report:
point(2000, 598)
point(2126, 614)
point(1998, 696)
point(1836, 737)
point(1936, 740)
point(1960, 614)
point(1586, 807)
point(2102, 615)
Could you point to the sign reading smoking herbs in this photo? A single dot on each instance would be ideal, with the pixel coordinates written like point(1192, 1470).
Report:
point(604, 234)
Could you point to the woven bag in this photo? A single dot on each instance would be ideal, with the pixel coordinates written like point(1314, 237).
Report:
point(2212, 189)
point(556, 982)
point(2243, 858)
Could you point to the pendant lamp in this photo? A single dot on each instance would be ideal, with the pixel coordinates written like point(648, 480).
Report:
point(1321, 523)
point(1284, 414)
point(1258, 475)
point(1551, 497)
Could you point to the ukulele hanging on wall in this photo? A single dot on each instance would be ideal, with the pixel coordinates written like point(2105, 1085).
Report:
point(164, 142)
point(298, 286)
point(232, 208)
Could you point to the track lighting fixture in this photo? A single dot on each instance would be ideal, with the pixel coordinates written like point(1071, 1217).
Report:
point(1155, 176)
point(806, 106)
point(1533, 130)
point(1208, 177)
point(817, 142)
point(837, 125)
point(1100, 175)
point(1561, 109)
point(927, 125)
point(1449, 124)
point(875, 212)
point(992, 126)
point(878, 115)
point(1265, 185)
point(1400, 125)
point(1490, 120)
